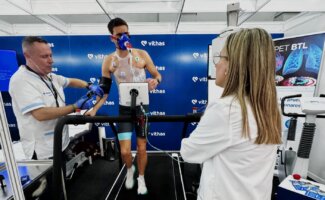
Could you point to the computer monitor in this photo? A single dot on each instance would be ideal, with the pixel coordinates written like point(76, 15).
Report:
point(142, 91)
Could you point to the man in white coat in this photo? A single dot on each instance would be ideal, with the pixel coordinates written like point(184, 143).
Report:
point(38, 99)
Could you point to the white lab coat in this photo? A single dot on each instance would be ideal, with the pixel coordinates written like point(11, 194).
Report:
point(233, 167)
point(28, 93)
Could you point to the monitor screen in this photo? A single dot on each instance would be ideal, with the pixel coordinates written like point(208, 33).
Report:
point(8, 66)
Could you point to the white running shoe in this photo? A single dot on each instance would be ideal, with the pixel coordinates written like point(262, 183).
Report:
point(129, 183)
point(142, 188)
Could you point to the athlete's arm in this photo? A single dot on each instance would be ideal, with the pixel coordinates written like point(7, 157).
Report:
point(106, 73)
point(153, 82)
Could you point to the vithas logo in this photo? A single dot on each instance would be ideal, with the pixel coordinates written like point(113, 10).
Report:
point(160, 68)
point(107, 103)
point(200, 102)
point(194, 101)
point(94, 80)
point(157, 91)
point(197, 79)
point(197, 55)
point(104, 124)
point(157, 113)
point(144, 43)
point(156, 133)
point(153, 43)
point(90, 56)
point(95, 56)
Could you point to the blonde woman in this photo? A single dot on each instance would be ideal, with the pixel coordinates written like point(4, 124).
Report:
point(237, 137)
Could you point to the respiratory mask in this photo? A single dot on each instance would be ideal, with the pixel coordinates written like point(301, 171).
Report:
point(124, 42)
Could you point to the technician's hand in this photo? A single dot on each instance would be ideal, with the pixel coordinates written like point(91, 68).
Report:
point(152, 83)
point(85, 103)
point(96, 89)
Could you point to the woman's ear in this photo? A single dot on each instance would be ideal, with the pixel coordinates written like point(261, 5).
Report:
point(226, 72)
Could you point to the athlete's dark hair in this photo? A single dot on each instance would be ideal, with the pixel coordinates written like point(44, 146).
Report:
point(116, 22)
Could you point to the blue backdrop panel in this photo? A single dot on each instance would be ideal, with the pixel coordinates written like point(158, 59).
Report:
point(181, 59)
point(8, 66)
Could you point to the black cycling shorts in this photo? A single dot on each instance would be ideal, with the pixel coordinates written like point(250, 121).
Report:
point(125, 129)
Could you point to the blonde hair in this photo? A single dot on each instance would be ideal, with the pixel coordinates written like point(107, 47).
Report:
point(251, 75)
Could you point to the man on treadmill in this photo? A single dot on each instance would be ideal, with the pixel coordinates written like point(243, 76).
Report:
point(128, 64)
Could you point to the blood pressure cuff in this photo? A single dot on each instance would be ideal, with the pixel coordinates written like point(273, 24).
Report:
point(105, 84)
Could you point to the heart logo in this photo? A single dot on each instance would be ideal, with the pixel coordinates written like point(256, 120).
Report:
point(194, 101)
point(92, 80)
point(144, 42)
point(193, 123)
point(97, 124)
point(90, 56)
point(196, 55)
point(195, 78)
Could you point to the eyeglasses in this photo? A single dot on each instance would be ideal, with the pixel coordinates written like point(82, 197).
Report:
point(217, 56)
point(119, 35)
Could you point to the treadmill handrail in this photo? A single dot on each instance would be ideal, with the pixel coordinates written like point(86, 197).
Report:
point(81, 119)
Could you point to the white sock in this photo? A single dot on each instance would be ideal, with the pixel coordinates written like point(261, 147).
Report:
point(141, 177)
point(130, 170)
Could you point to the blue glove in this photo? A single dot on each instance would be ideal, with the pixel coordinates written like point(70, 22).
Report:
point(85, 103)
point(95, 89)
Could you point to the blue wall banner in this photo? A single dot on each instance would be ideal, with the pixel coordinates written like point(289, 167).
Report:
point(181, 59)
point(8, 66)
